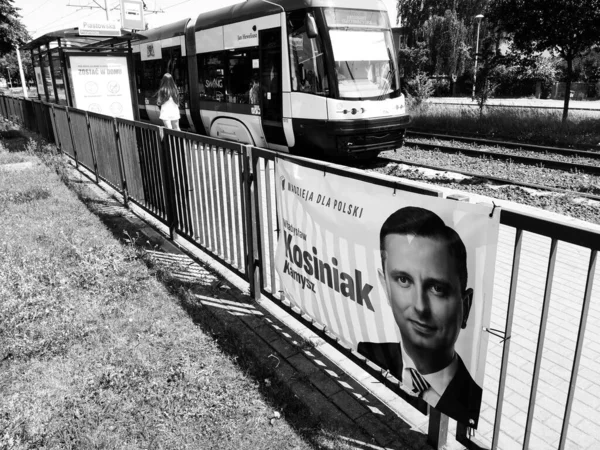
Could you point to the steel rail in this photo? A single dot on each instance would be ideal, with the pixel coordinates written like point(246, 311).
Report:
point(529, 160)
point(488, 177)
point(508, 144)
point(495, 105)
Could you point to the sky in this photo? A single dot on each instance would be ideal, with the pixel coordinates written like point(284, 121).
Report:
point(43, 16)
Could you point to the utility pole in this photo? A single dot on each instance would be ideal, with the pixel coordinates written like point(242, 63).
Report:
point(21, 73)
point(478, 17)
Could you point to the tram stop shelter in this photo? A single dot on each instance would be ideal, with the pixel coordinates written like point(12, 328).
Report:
point(93, 73)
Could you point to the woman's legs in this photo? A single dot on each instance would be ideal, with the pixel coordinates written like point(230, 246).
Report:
point(168, 124)
point(175, 124)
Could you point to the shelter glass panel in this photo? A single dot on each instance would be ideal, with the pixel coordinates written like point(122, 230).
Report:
point(58, 77)
point(47, 75)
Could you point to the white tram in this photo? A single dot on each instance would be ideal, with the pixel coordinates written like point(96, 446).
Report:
point(313, 77)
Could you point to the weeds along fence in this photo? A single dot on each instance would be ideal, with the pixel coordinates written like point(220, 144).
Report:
point(220, 196)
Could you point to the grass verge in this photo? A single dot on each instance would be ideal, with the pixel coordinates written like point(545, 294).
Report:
point(101, 347)
point(538, 126)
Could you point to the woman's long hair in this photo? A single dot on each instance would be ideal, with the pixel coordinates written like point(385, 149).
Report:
point(167, 89)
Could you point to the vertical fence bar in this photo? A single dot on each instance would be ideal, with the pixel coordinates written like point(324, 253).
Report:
point(256, 223)
point(120, 162)
point(72, 139)
point(204, 224)
point(166, 169)
point(237, 207)
point(578, 348)
point(213, 198)
point(230, 256)
point(150, 151)
point(514, 278)
point(540, 344)
point(194, 186)
point(187, 185)
point(269, 227)
point(210, 213)
point(55, 129)
point(437, 432)
point(220, 200)
point(259, 211)
point(179, 191)
point(250, 224)
point(92, 147)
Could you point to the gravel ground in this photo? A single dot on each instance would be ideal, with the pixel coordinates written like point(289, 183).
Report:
point(511, 151)
point(569, 204)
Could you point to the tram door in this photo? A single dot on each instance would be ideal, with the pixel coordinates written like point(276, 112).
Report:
point(270, 80)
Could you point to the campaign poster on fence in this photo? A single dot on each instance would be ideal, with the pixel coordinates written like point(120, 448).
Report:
point(404, 279)
point(101, 84)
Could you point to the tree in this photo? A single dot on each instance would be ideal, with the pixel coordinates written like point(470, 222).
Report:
point(567, 27)
point(413, 60)
point(12, 31)
point(9, 66)
point(414, 13)
point(446, 37)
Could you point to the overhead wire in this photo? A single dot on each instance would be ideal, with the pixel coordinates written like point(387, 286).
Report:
point(35, 9)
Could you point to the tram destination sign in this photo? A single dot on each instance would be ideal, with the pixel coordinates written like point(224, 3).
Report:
point(100, 28)
point(354, 17)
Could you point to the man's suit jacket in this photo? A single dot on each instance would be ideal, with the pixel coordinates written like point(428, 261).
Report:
point(462, 398)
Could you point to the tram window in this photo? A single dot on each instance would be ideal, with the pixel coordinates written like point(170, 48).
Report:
point(151, 75)
point(151, 72)
point(175, 64)
point(211, 77)
point(306, 57)
point(243, 76)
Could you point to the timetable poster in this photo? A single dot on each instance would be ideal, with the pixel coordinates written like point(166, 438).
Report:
point(101, 85)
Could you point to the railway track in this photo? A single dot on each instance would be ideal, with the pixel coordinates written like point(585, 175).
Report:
point(593, 158)
point(507, 144)
point(382, 160)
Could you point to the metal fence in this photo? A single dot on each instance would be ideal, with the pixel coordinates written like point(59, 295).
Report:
point(220, 196)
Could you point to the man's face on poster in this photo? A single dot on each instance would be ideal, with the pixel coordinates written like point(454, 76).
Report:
point(421, 280)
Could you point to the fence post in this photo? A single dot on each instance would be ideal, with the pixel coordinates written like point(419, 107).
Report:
point(54, 128)
point(72, 140)
point(92, 148)
point(166, 170)
point(44, 113)
point(120, 163)
point(437, 432)
point(251, 199)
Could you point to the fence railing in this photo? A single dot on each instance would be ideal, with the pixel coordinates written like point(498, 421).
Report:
point(220, 196)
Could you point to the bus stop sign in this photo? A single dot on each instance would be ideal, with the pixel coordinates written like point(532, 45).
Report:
point(132, 14)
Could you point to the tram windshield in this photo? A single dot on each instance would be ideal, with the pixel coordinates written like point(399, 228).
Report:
point(365, 67)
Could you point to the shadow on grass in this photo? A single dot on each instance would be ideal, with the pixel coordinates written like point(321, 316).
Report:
point(245, 333)
point(232, 323)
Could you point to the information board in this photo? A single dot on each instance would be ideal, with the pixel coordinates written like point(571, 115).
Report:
point(101, 84)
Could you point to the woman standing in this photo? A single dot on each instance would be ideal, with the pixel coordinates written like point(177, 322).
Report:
point(168, 100)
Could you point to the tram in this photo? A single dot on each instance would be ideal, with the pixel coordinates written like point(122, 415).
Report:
point(312, 77)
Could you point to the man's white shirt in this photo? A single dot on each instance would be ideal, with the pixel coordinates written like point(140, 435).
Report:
point(438, 381)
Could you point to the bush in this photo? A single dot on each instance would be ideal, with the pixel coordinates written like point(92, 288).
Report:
point(419, 89)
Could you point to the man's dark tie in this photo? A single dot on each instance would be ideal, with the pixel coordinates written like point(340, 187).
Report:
point(420, 385)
